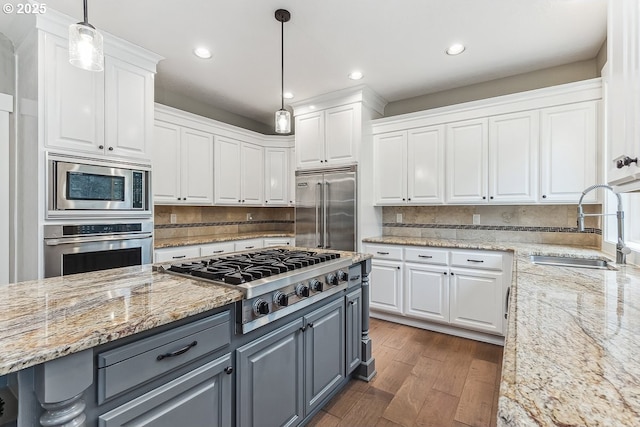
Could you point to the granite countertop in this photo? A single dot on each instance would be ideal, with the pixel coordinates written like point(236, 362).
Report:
point(214, 238)
point(42, 320)
point(572, 344)
point(45, 319)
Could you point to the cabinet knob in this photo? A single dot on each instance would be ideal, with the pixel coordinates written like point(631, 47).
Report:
point(626, 162)
point(409, 199)
point(110, 148)
point(403, 199)
point(321, 161)
point(484, 197)
point(228, 370)
point(491, 197)
point(444, 272)
point(544, 196)
point(101, 147)
point(351, 302)
point(398, 267)
point(242, 200)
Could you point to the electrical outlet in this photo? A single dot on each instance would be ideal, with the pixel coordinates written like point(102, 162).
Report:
point(249, 217)
point(173, 218)
point(399, 218)
point(476, 219)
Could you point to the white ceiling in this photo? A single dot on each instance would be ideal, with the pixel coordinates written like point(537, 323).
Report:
point(398, 44)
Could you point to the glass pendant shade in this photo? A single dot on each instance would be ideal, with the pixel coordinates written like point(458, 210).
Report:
point(86, 47)
point(283, 121)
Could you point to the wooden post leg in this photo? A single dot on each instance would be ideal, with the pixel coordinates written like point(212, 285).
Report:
point(367, 369)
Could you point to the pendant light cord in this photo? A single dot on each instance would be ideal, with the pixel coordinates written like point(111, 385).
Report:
point(86, 15)
point(282, 63)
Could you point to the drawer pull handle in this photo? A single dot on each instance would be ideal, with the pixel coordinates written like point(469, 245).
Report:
point(354, 278)
point(248, 247)
point(183, 350)
point(506, 303)
point(179, 256)
point(218, 252)
point(228, 370)
point(475, 260)
point(382, 253)
point(351, 302)
point(425, 256)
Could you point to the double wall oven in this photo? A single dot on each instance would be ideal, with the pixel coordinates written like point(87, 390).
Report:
point(98, 215)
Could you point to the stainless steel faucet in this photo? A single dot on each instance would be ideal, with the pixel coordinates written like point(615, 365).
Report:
point(621, 249)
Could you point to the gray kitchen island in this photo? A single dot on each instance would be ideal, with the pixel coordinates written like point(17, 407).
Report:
point(132, 344)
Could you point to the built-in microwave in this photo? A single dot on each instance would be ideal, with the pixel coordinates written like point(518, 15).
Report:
point(93, 187)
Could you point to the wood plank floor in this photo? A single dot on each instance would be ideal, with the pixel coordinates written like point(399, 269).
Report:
point(424, 379)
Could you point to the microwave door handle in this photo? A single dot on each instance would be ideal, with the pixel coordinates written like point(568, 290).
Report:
point(70, 240)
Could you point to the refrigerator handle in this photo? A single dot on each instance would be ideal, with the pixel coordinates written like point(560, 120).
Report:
point(327, 227)
point(318, 197)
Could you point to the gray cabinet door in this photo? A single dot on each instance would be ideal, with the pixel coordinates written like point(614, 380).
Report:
point(201, 397)
point(270, 379)
point(324, 339)
point(353, 329)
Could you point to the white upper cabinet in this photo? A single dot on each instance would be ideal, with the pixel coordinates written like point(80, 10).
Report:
point(568, 148)
point(622, 94)
point(183, 165)
point(513, 157)
point(104, 114)
point(129, 109)
point(328, 137)
point(467, 162)
point(409, 166)
point(277, 176)
point(239, 172)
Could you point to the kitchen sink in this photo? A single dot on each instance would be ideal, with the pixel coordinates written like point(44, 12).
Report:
point(563, 261)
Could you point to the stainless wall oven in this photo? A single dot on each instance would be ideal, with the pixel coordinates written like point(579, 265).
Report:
point(97, 188)
point(70, 249)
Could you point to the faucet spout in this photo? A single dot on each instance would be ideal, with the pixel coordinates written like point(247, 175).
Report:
point(621, 249)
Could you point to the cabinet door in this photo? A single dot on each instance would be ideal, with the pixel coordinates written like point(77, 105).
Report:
point(200, 398)
point(166, 163)
point(466, 152)
point(390, 165)
point(129, 109)
point(342, 134)
point(270, 379)
point(568, 152)
point(353, 329)
point(277, 176)
point(324, 339)
point(74, 98)
point(310, 140)
point(386, 286)
point(252, 179)
point(197, 167)
point(425, 165)
point(227, 170)
point(476, 300)
point(427, 292)
point(513, 157)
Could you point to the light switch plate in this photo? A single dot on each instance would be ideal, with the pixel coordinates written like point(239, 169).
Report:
point(476, 219)
point(173, 218)
point(399, 218)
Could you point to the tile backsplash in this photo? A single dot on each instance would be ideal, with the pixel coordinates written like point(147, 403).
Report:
point(210, 220)
point(531, 223)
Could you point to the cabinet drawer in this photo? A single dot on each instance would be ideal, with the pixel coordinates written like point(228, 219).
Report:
point(128, 366)
point(216, 249)
point(481, 260)
point(173, 254)
point(245, 245)
point(427, 255)
point(384, 252)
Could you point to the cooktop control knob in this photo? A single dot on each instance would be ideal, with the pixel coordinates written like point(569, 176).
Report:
point(316, 285)
point(260, 307)
point(331, 279)
point(302, 290)
point(280, 299)
point(342, 276)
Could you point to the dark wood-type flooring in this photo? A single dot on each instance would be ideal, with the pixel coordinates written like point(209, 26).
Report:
point(424, 379)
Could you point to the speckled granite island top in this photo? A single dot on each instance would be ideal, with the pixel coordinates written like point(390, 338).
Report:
point(42, 320)
point(572, 351)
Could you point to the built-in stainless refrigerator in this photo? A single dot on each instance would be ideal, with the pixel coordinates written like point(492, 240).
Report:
point(326, 208)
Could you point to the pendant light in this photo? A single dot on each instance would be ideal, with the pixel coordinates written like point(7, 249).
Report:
point(283, 117)
point(85, 45)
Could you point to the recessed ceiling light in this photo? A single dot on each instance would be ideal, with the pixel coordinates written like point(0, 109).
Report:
point(312, 107)
point(287, 95)
point(202, 52)
point(356, 75)
point(455, 49)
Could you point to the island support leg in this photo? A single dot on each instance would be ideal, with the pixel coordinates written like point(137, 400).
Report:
point(367, 369)
point(59, 386)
